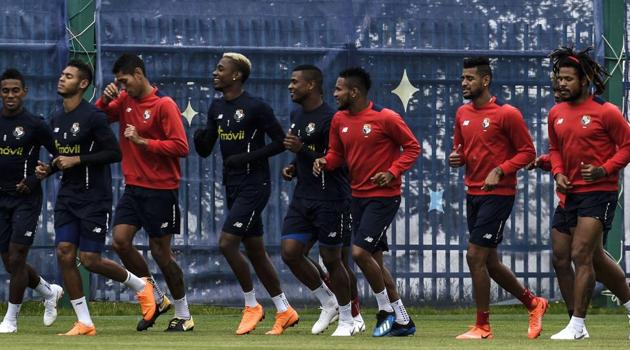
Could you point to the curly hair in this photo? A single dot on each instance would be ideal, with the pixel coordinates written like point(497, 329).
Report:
point(583, 63)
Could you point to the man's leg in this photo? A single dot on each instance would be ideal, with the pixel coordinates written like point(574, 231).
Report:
point(563, 266)
point(403, 325)
point(122, 242)
point(340, 282)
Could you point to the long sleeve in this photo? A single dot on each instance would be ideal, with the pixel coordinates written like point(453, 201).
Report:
point(269, 124)
point(458, 139)
point(400, 132)
point(175, 143)
point(112, 109)
point(205, 139)
point(555, 157)
point(516, 130)
point(109, 150)
point(335, 154)
point(619, 131)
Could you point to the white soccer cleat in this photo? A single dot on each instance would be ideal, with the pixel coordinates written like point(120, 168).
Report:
point(344, 329)
point(326, 317)
point(6, 327)
point(570, 333)
point(50, 305)
point(359, 324)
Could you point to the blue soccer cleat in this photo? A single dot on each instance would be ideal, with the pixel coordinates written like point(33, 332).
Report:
point(384, 322)
point(402, 330)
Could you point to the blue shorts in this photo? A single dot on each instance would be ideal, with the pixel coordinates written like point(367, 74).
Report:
point(486, 216)
point(598, 205)
point(84, 223)
point(246, 203)
point(18, 219)
point(328, 222)
point(157, 211)
point(371, 218)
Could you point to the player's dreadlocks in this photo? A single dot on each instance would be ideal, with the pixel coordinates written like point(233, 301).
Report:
point(583, 63)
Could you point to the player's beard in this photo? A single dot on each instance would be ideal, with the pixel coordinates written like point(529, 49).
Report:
point(573, 96)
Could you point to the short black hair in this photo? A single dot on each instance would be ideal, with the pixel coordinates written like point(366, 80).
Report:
point(357, 76)
point(127, 64)
point(481, 63)
point(12, 73)
point(85, 72)
point(311, 73)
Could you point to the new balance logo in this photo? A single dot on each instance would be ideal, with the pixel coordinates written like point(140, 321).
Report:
point(487, 236)
point(164, 225)
point(238, 224)
point(369, 239)
point(332, 234)
point(345, 129)
point(97, 230)
point(28, 233)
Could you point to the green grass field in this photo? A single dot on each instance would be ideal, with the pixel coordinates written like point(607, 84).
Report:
point(214, 329)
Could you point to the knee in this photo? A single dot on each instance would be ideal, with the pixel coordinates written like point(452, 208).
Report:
point(121, 246)
point(581, 256)
point(290, 256)
point(227, 247)
point(359, 254)
point(561, 260)
point(475, 260)
point(161, 256)
point(66, 256)
point(15, 263)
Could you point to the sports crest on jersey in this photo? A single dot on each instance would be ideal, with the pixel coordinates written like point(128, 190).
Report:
point(485, 124)
point(367, 129)
point(18, 132)
point(586, 120)
point(239, 115)
point(75, 129)
point(310, 128)
point(147, 114)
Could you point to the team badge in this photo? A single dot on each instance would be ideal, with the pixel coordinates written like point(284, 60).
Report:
point(367, 129)
point(485, 123)
point(586, 120)
point(310, 128)
point(18, 132)
point(75, 129)
point(147, 114)
point(239, 115)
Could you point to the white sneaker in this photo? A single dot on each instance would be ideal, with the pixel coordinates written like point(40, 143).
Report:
point(326, 317)
point(570, 333)
point(50, 305)
point(344, 329)
point(6, 327)
point(359, 324)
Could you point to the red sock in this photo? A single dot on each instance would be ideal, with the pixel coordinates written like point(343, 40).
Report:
point(356, 309)
point(483, 318)
point(528, 299)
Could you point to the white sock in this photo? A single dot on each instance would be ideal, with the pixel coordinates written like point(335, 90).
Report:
point(158, 294)
point(577, 323)
point(345, 313)
point(383, 301)
point(281, 302)
point(627, 306)
point(402, 317)
point(181, 308)
point(81, 309)
point(43, 288)
point(325, 296)
point(12, 314)
point(134, 282)
point(250, 298)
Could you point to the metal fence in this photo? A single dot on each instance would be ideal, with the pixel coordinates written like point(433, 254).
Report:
point(181, 41)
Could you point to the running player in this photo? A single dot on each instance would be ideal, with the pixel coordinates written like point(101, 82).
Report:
point(240, 122)
point(369, 138)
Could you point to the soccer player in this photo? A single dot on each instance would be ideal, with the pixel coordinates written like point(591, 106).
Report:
point(492, 141)
point(21, 198)
point(319, 210)
point(152, 139)
point(240, 122)
point(369, 138)
point(589, 142)
point(86, 146)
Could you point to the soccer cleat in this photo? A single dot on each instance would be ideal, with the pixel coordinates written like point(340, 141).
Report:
point(384, 322)
point(177, 324)
point(284, 320)
point(251, 317)
point(402, 330)
point(50, 305)
point(326, 317)
point(359, 324)
point(6, 327)
point(536, 317)
point(344, 329)
point(570, 333)
point(477, 332)
point(149, 307)
point(162, 308)
point(80, 329)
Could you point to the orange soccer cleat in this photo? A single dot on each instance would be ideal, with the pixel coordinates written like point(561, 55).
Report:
point(284, 320)
point(477, 332)
point(535, 318)
point(251, 317)
point(81, 329)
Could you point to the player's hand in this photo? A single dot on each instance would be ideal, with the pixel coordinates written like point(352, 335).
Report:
point(562, 183)
point(65, 162)
point(455, 159)
point(591, 173)
point(288, 172)
point(533, 164)
point(318, 165)
point(382, 179)
point(110, 93)
point(492, 180)
point(131, 134)
point(292, 142)
point(42, 170)
point(22, 187)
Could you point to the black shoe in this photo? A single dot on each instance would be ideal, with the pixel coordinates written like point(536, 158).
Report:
point(402, 330)
point(384, 322)
point(180, 325)
point(161, 308)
